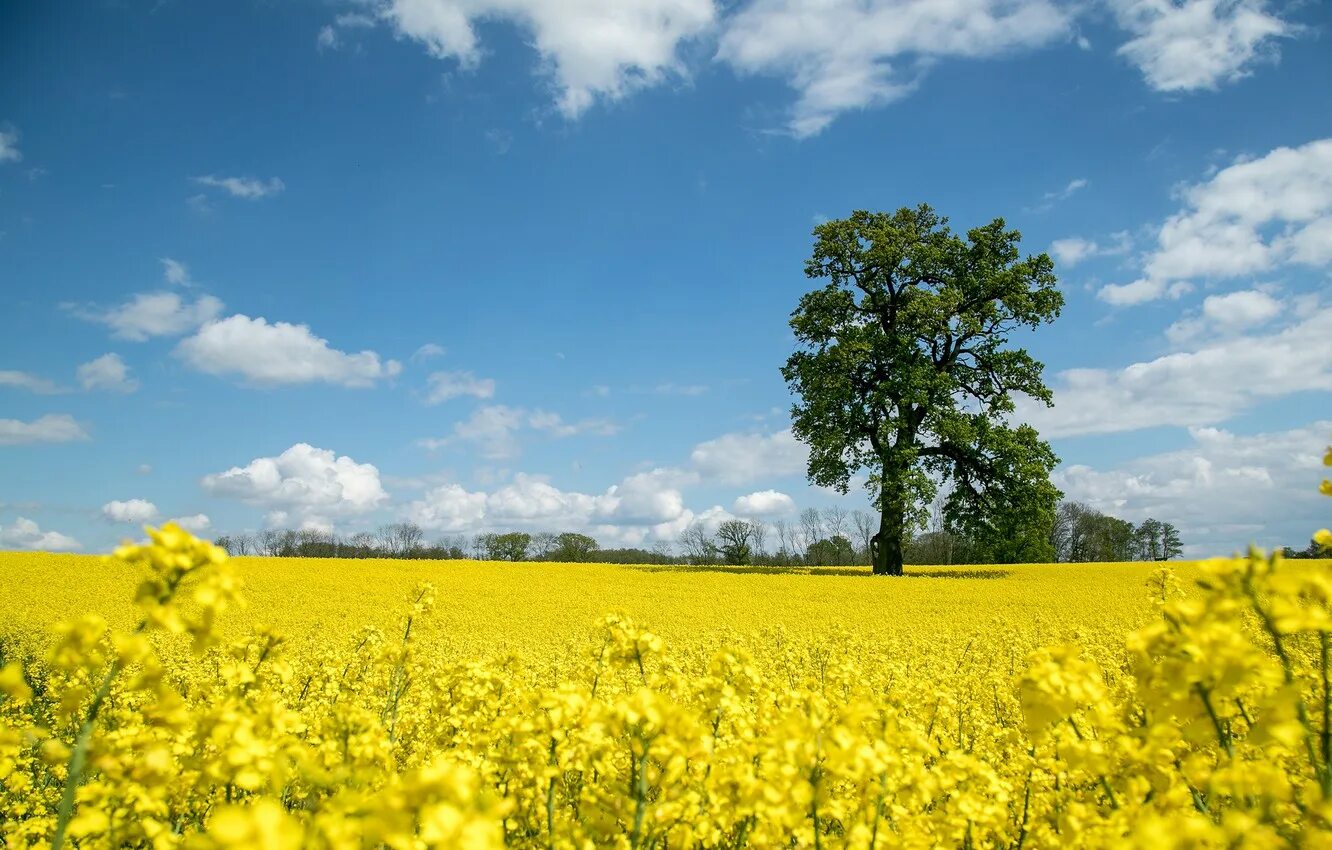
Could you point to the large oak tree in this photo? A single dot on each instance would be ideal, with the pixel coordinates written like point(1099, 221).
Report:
point(904, 370)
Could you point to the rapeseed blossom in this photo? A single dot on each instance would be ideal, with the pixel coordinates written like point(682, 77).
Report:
point(1024, 707)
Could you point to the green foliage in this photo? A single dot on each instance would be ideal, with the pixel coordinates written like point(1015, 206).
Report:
point(506, 547)
point(835, 551)
point(571, 547)
point(904, 369)
point(733, 538)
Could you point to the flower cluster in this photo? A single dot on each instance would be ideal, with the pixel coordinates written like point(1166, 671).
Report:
point(1199, 718)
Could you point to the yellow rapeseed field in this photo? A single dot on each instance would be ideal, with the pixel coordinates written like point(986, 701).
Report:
point(188, 700)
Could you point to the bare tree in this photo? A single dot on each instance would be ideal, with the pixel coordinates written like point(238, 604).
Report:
point(481, 545)
point(785, 545)
point(362, 544)
point(866, 525)
point(697, 543)
point(244, 543)
point(811, 527)
point(400, 538)
point(835, 521)
point(270, 542)
point(758, 536)
point(543, 543)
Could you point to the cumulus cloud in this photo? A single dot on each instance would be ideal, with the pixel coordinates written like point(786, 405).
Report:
point(644, 506)
point(26, 534)
point(741, 458)
point(1254, 216)
point(1210, 488)
point(590, 49)
point(51, 428)
point(150, 314)
point(132, 510)
point(1225, 376)
point(764, 503)
point(1198, 44)
point(842, 55)
point(646, 498)
point(279, 353)
point(313, 484)
point(494, 430)
point(108, 373)
point(1226, 314)
point(194, 522)
point(442, 386)
point(247, 188)
point(27, 381)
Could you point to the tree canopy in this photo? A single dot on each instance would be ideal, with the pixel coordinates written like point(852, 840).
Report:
point(904, 369)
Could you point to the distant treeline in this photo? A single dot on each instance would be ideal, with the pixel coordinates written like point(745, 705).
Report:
point(829, 537)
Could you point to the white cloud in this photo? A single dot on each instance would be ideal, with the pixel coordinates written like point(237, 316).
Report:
point(9, 151)
point(648, 505)
point(1223, 491)
point(175, 272)
point(1186, 45)
point(248, 188)
point(590, 49)
point(647, 498)
point(327, 38)
point(1141, 291)
point(280, 353)
point(554, 425)
point(1073, 186)
point(740, 458)
point(1075, 249)
point(764, 503)
point(51, 428)
point(150, 314)
point(133, 510)
point(1225, 376)
point(1226, 314)
point(449, 508)
point(27, 381)
point(194, 522)
point(494, 429)
point(426, 352)
point(670, 388)
point(330, 36)
point(313, 484)
point(1254, 216)
point(713, 517)
point(1049, 199)
point(26, 534)
point(442, 386)
point(107, 372)
point(841, 55)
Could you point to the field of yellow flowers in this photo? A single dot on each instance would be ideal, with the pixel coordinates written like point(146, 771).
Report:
point(300, 703)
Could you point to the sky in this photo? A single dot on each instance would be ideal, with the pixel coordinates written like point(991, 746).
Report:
point(528, 264)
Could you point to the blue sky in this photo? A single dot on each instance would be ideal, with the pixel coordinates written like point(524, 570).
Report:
point(528, 264)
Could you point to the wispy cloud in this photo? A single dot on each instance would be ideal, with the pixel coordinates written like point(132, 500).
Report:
point(247, 188)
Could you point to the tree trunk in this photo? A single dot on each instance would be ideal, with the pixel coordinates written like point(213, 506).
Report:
point(888, 542)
